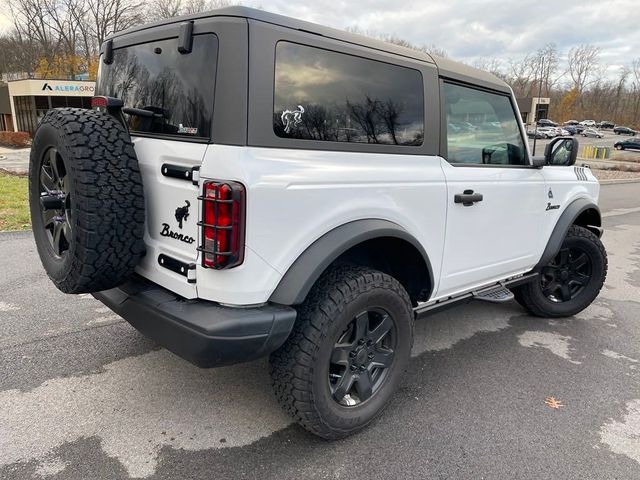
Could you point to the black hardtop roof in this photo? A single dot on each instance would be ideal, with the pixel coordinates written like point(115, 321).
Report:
point(446, 67)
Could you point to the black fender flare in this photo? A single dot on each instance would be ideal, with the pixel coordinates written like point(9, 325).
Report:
point(305, 271)
point(567, 218)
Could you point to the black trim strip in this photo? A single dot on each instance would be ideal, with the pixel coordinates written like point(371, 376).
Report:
point(178, 171)
point(176, 266)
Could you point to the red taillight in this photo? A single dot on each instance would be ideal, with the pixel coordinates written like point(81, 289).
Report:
point(222, 225)
point(99, 102)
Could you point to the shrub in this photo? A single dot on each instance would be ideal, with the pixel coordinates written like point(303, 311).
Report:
point(15, 139)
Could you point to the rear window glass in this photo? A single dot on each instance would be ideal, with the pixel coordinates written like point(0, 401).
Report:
point(172, 92)
point(329, 96)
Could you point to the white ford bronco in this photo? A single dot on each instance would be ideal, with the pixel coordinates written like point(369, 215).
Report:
point(249, 184)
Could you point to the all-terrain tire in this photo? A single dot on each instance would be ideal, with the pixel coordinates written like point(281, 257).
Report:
point(531, 295)
point(300, 367)
point(86, 158)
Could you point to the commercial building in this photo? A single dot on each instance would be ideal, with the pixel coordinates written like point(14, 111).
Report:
point(533, 109)
point(23, 103)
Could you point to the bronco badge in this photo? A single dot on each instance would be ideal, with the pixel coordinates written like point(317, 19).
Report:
point(181, 214)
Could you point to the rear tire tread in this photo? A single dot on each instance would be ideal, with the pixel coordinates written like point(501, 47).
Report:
point(109, 199)
point(291, 366)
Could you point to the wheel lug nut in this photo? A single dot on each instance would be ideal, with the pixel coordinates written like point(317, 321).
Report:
point(361, 341)
point(354, 367)
point(369, 343)
point(370, 356)
point(352, 354)
point(362, 368)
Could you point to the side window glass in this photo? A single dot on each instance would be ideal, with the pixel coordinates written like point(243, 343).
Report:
point(482, 128)
point(329, 96)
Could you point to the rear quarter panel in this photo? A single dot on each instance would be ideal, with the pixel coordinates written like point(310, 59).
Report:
point(296, 196)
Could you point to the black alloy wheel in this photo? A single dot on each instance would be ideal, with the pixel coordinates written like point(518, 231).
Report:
point(55, 201)
point(361, 357)
point(571, 281)
point(345, 357)
point(567, 275)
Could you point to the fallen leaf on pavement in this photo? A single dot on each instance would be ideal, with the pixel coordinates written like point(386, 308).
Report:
point(553, 402)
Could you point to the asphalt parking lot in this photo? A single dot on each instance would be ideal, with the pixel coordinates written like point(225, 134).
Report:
point(83, 395)
point(607, 140)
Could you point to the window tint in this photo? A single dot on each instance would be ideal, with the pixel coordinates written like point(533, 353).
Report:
point(482, 128)
point(175, 90)
point(329, 96)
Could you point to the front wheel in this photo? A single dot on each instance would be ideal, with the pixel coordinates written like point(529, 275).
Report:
point(571, 281)
point(345, 357)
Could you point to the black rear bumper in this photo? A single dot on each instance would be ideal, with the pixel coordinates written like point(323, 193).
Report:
point(204, 333)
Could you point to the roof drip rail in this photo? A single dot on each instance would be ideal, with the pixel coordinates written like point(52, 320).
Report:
point(185, 40)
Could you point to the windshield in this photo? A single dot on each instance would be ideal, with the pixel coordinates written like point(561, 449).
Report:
point(172, 92)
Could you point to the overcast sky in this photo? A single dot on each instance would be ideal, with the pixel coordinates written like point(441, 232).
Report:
point(499, 29)
point(468, 29)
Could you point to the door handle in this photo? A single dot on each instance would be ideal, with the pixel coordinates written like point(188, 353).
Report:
point(467, 198)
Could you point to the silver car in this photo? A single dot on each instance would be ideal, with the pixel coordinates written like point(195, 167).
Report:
point(592, 132)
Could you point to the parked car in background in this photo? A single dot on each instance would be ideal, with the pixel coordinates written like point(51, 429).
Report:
point(588, 123)
point(572, 129)
point(623, 131)
point(580, 128)
point(571, 122)
point(536, 134)
point(592, 132)
point(628, 144)
point(548, 132)
point(564, 132)
point(606, 124)
point(545, 122)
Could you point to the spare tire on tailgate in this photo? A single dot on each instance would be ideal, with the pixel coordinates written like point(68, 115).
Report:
point(86, 199)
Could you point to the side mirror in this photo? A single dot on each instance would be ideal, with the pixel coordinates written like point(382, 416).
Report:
point(561, 151)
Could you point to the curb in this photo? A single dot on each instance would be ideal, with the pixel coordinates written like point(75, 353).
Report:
point(16, 172)
point(614, 181)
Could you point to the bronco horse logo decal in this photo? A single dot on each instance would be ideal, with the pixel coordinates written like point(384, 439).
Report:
point(291, 118)
point(182, 213)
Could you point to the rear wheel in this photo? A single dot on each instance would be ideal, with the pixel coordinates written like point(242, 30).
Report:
point(571, 281)
point(343, 361)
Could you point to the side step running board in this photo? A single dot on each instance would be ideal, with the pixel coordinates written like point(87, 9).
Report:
point(498, 292)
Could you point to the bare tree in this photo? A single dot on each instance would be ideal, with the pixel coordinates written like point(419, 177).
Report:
point(583, 64)
point(521, 75)
point(390, 111)
point(430, 49)
point(491, 65)
point(546, 62)
point(161, 9)
point(108, 16)
point(32, 25)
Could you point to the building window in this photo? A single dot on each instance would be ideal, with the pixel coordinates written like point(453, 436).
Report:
point(329, 96)
point(42, 107)
point(25, 114)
